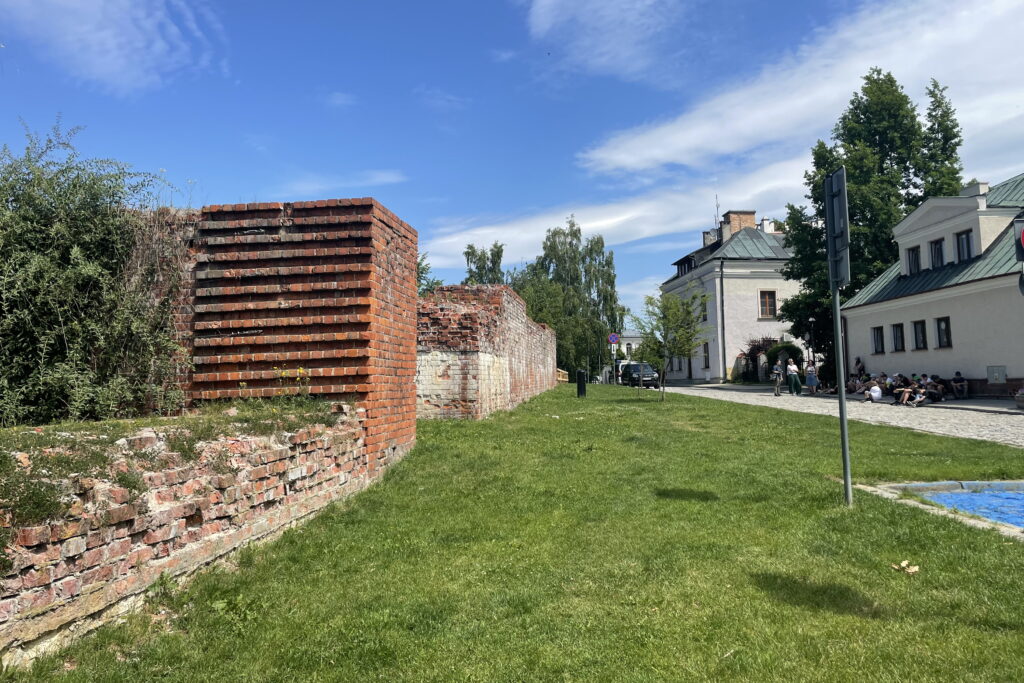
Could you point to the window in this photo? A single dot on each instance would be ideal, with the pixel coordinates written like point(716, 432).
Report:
point(920, 335)
point(629, 350)
point(897, 338)
point(942, 332)
point(707, 355)
point(938, 255)
point(964, 250)
point(878, 339)
point(704, 312)
point(913, 260)
point(766, 304)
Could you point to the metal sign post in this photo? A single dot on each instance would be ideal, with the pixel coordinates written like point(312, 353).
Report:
point(837, 239)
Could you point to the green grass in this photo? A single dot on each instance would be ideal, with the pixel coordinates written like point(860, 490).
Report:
point(626, 540)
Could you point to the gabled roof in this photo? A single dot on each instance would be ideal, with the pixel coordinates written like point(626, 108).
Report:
point(998, 260)
point(1007, 193)
point(751, 243)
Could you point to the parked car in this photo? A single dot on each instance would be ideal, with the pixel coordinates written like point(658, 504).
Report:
point(640, 374)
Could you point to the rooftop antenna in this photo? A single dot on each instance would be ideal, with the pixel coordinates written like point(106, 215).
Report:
point(718, 216)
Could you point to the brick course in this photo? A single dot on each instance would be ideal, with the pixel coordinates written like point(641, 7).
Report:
point(477, 352)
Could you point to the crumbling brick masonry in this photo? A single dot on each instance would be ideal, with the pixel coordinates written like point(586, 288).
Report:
point(477, 352)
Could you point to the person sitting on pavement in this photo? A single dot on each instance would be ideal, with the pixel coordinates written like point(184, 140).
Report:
point(872, 392)
point(935, 390)
point(919, 396)
point(959, 383)
point(904, 392)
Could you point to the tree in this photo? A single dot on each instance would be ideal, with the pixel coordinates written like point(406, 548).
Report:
point(483, 266)
point(571, 287)
point(425, 283)
point(89, 273)
point(671, 326)
point(892, 163)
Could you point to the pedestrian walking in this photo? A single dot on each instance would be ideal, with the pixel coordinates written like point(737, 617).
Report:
point(793, 378)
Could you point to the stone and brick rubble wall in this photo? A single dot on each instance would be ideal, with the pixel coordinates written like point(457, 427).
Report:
point(115, 543)
point(478, 352)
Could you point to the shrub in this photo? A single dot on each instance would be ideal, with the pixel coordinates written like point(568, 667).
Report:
point(786, 350)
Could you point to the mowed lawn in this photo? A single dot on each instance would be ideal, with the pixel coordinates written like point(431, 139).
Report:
point(612, 538)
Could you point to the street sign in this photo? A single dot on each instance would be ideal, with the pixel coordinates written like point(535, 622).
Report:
point(837, 228)
point(837, 241)
point(613, 338)
point(1018, 236)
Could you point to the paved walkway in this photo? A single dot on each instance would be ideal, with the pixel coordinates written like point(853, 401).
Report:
point(986, 419)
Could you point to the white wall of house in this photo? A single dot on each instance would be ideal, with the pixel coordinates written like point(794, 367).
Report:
point(986, 320)
point(739, 284)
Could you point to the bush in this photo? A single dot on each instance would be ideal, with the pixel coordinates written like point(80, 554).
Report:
point(786, 350)
point(88, 277)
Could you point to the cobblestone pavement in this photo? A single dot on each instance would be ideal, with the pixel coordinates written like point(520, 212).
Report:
point(999, 426)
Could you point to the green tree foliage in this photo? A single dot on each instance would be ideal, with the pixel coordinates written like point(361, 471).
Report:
point(671, 326)
point(483, 266)
point(88, 275)
point(571, 287)
point(892, 164)
point(425, 282)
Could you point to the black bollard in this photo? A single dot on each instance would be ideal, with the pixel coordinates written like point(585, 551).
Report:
point(581, 384)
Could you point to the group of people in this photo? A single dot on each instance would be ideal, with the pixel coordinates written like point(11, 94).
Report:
point(907, 391)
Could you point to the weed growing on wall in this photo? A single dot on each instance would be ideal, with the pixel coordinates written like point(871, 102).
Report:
point(89, 272)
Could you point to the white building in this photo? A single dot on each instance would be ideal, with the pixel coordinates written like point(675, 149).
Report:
point(738, 268)
point(955, 300)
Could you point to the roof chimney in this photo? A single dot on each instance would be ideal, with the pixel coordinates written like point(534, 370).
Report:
point(735, 220)
point(974, 189)
point(711, 236)
point(767, 225)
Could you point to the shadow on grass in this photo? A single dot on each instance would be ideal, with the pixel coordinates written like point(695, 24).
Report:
point(831, 597)
point(686, 494)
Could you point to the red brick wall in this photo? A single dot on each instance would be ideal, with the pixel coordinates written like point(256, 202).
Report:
point(478, 352)
point(315, 296)
point(113, 544)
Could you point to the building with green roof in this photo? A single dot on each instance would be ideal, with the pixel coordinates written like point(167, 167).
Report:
point(955, 300)
point(738, 268)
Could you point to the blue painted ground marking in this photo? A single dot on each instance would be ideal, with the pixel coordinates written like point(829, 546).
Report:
point(995, 501)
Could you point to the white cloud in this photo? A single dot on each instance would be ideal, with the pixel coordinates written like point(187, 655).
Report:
point(123, 45)
point(972, 49)
point(308, 185)
point(623, 38)
point(631, 294)
point(666, 210)
point(340, 99)
point(502, 56)
point(438, 99)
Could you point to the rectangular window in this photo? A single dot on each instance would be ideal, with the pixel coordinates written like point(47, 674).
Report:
point(943, 333)
point(766, 307)
point(938, 254)
point(964, 250)
point(913, 260)
point(897, 337)
point(704, 312)
point(878, 339)
point(707, 355)
point(920, 335)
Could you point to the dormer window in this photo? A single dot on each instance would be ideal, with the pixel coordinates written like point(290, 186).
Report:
point(938, 257)
point(964, 247)
point(913, 260)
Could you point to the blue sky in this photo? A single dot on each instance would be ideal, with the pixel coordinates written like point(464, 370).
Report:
point(484, 120)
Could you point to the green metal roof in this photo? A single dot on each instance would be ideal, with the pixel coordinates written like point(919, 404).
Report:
point(999, 259)
point(751, 243)
point(1007, 193)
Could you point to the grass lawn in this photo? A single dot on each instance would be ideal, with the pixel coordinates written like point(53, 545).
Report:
point(626, 540)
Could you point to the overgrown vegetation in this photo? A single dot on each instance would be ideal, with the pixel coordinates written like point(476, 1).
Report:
point(89, 271)
point(626, 540)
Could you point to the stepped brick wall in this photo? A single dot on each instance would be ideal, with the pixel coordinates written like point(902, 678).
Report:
point(315, 296)
point(477, 352)
point(80, 571)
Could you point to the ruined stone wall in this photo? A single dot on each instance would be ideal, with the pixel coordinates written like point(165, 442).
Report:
point(113, 544)
point(477, 352)
point(315, 297)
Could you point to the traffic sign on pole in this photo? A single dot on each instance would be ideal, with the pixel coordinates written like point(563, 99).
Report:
point(837, 240)
point(613, 338)
point(1018, 237)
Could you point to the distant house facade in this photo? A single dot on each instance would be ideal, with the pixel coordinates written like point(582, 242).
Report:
point(954, 301)
point(738, 268)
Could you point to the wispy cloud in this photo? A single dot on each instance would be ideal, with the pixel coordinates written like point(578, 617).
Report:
point(974, 51)
point(438, 99)
point(121, 45)
point(307, 185)
point(340, 99)
point(623, 38)
point(502, 56)
point(631, 294)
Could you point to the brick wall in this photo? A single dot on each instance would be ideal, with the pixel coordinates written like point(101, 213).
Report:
point(113, 543)
point(477, 352)
point(317, 296)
